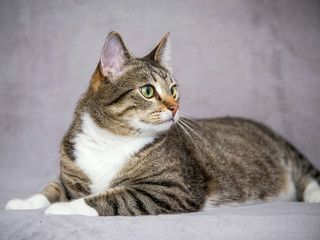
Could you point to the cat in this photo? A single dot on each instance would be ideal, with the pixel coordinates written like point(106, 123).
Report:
point(128, 152)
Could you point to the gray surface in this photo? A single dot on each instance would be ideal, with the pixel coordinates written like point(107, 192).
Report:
point(276, 221)
point(256, 59)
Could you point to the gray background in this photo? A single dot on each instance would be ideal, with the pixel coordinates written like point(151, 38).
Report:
point(255, 59)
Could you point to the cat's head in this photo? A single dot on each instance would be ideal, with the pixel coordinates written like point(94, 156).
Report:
point(133, 96)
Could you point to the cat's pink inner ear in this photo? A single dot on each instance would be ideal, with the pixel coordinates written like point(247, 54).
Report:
point(112, 56)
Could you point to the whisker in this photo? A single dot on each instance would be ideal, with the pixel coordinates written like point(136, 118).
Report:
point(192, 130)
point(190, 121)
point(176, 126)
point(188, 134)
point(146, 127)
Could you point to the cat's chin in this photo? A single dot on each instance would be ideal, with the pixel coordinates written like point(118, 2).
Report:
point(161, 128)
point(165, 125)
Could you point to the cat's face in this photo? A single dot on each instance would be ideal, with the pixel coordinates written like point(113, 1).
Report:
point(133, 96)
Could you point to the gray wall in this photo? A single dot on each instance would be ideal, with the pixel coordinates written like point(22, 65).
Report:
point(256, 59)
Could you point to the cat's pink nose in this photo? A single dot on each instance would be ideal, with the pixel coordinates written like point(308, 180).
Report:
point(174, 108)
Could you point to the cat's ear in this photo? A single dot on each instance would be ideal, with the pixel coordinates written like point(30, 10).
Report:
point(161, 53)
point(114, 57)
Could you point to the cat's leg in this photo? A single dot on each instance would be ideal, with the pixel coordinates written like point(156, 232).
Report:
point(307, 185)
point(53, 192)
point(305, 176)
point(129, 201)
point(308, 188)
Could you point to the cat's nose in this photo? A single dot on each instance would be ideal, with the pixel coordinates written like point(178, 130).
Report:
point(173, 108)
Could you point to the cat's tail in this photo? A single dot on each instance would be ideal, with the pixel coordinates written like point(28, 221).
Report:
point(305, 176)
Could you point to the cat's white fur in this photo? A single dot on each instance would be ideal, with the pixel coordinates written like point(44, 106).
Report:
point(75, 207)
point(312, 192)
point(35, 202)
point(101, 154)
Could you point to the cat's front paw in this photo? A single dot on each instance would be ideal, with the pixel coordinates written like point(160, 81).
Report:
point(76, 207)
point(35, 202)
point(312, 193)
point(313, 197)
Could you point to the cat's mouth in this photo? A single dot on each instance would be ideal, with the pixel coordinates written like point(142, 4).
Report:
point(170, 118)
point(159, 122)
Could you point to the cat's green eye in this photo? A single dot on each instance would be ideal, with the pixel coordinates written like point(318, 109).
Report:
point(173, 91)
point(147, 91)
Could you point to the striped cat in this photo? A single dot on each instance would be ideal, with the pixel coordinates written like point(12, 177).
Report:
point(127, 151)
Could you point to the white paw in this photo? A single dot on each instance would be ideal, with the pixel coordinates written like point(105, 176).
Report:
point(312, 193)
point(35, 202)
point(313, 197)
point(76, 207)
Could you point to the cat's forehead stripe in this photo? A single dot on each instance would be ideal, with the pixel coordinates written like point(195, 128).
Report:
point(158, 74)
point(154, 76)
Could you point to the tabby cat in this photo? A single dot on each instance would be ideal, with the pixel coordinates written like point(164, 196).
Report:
point(128, 152)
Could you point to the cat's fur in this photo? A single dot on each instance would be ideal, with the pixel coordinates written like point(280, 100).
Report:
point(125, 154)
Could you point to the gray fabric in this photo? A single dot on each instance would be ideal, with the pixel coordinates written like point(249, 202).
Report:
point(255, 59)
point(278, 221)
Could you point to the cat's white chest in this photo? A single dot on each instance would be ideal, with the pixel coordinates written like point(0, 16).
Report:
point(101, 154)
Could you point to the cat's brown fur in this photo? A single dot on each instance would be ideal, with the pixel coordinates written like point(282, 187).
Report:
point(186, 167)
